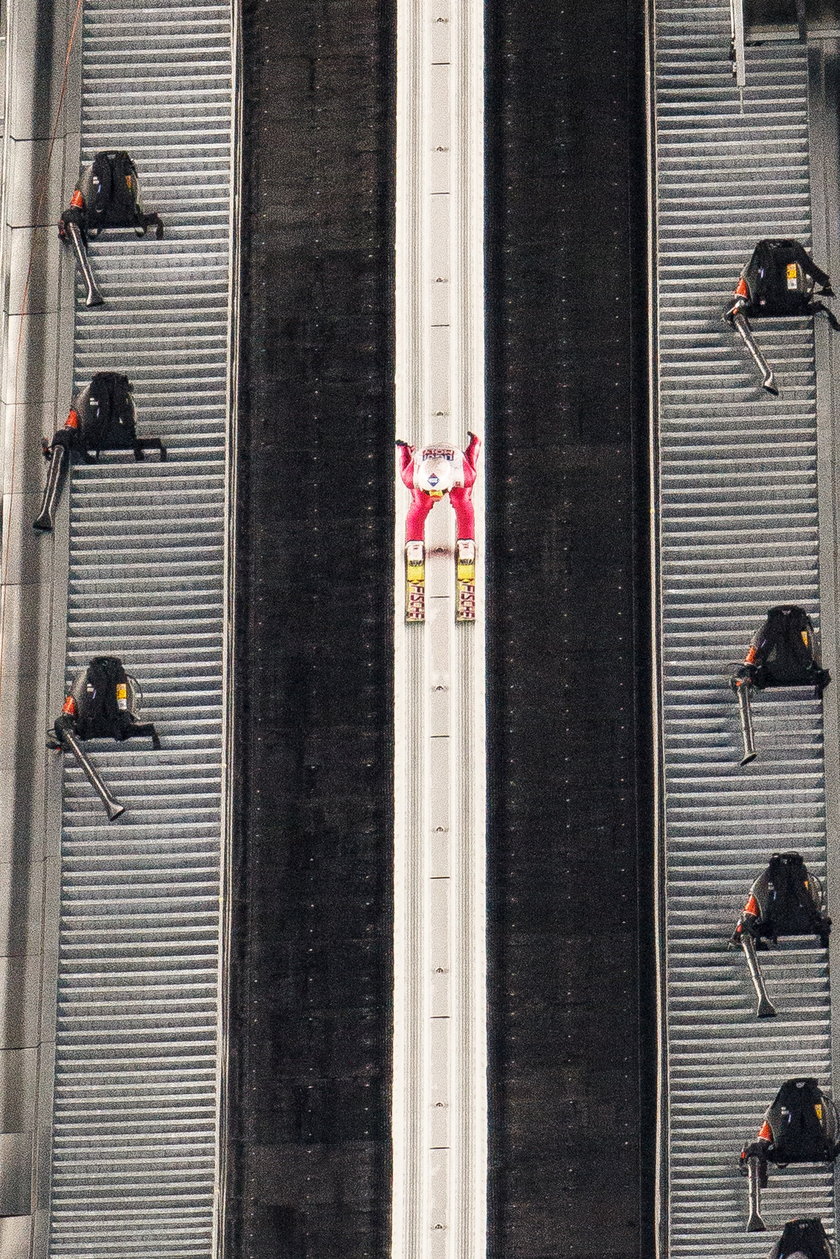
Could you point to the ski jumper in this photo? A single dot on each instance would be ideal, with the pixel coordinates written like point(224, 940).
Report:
point(452, 469)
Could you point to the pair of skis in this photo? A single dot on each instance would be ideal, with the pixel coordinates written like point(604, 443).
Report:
point(415, 580)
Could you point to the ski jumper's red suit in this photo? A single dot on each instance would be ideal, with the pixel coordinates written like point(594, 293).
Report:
point(431, 472)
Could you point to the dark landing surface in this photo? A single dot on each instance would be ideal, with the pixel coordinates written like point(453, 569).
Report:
point(309, 1145)
point(571, 1031)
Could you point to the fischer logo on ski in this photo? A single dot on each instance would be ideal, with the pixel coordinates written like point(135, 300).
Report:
point(465, 580)
point(415, 581)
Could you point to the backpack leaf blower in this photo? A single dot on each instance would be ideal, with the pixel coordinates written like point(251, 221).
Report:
point(800, 1126)
point(107, 195)
point(100, 705)
point(784, 652)
point(784, 900)
point(778, 280)
point(103, 417)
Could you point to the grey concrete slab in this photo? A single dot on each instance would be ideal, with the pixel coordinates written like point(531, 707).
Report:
point(30, 370)
point(28, 554)
point(49, 1017)
point(34, 262)
point(16, 1233)
point(54, 777)
point(46, 1069)
point(23, 720)
point(66, 331)
point(19, 1003)
point(42, 1152)
point(38, 32)
point(18, 1089)
point(26, 625)
point(51, 879)
point(37, 191)
point(21, 890)
point(24, 467)
point(15, 1173)
point(73, 89)
point(22, 804)
point(67, 287)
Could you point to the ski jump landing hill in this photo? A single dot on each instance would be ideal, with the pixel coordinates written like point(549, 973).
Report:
point(439, 1109)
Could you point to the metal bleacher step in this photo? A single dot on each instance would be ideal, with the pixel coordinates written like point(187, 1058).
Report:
point(135, 1118)
point(738, 533)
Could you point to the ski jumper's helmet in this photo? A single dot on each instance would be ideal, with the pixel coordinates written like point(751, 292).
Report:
point(438, 469)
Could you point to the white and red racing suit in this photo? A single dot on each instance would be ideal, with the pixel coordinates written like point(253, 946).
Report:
point(454, 470)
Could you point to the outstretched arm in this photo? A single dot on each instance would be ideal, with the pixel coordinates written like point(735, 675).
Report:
point(406, 454)
point(472, 451)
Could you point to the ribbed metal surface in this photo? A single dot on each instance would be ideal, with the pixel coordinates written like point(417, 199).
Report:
point(134, 1153)
point(738, 505)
